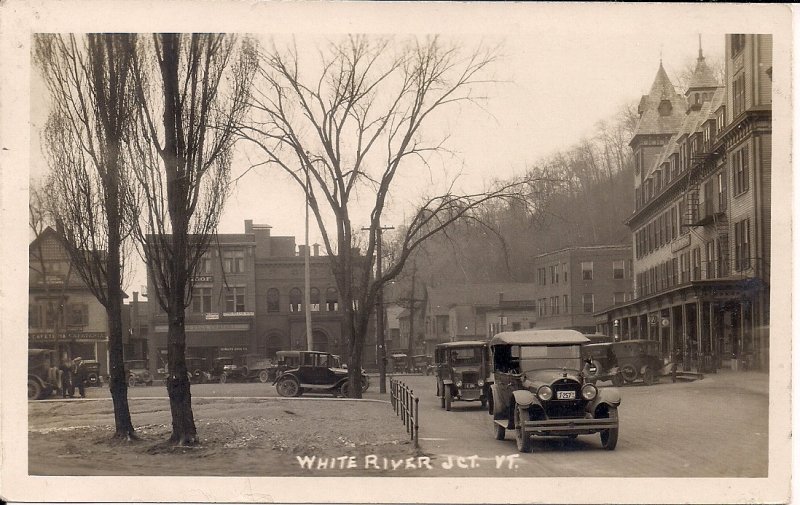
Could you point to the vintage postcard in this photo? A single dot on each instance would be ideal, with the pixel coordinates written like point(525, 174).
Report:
point(362, 252)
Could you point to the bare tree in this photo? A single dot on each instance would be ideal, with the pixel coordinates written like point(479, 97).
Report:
point(92, 103)
point(198, 85)
point(345, 134)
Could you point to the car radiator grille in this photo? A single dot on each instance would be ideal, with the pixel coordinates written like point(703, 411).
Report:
point(566, 408)
point(470, 378)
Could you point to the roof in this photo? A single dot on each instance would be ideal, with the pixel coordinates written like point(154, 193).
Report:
point(539, 337)
point(441, 299)
point(462, 343)
point(703, 76)
point(650, 121)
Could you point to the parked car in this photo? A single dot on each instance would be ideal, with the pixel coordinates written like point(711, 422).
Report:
point(242, 368)
point(539, 389)
point(317, 372)
point(462, 372)
point(138, 373)
point(604, 359)
point(639, 360)
point(198, 371)
point(284, 360)
point(42, 373)
point(90, 369)
point(421, 363)
point(338, 363)
point(399, 362)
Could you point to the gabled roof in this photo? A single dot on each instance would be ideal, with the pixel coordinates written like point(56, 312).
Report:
point(651, 122)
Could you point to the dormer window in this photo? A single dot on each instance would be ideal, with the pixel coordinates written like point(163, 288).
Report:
point(665, 108)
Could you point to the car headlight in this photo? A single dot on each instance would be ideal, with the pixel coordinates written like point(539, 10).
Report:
point(480, 384)
point(589, 392)
point(544, 393)
point(459, 384)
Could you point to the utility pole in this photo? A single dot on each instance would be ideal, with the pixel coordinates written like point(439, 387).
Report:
point(307, 265)
point(381, 337)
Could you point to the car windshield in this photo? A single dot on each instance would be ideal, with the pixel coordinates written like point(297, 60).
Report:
point(465, 356)
point(542, 357)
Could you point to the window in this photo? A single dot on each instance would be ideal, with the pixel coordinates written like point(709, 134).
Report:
point(273, 300)
point(295, 300)
point(516, 326)
point(234, 299)
point(233, 261)
point(565, 270)
point(738, 95)
point(541, 276)
point(587, 270)
point(710, 271)
point(742, 244)
point(554, 305)
point(696, 264)
point(53, 315)
point(619, 269)
point(619, 298)
point(566, 304)
point(674, 214)
point(201, 300)
point(708, 198)
point(741, 171)
point(204, 267)
point(314, 300)
point(553, 274)
point(722, 191)
point(588, 302)
point(331, 300)
point(34, 316)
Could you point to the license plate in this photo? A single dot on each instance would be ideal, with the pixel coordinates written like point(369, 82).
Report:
point(468, 385)
point(565, 395)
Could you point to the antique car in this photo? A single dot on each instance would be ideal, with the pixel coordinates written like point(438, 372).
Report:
point(421, 363)
point(283, 361)
point(138, 373)
point(399, 362)
point(90, 371)
point(197, 368)
point(639, 360)
point(226, 369)
point(316, 373)
point(604, 359)
point(42, 373)
point(338, 363)
point(539, 389)
point(462, 372)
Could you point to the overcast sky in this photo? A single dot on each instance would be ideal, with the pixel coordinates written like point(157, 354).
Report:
point(555, 85)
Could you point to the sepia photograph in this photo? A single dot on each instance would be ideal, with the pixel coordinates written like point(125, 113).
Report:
point(396, 253)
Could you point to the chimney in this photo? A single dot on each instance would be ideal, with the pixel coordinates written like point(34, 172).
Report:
point(248, 226)
point(316, 249)
point(301, 251)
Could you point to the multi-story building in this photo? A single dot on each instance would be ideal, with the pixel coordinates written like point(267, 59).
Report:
point(701, 226)
point(574, 283)
point(136, 328)
point(63, 314)
point(248, 299)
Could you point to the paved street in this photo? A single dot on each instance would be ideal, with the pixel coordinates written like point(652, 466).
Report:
point(716, 427)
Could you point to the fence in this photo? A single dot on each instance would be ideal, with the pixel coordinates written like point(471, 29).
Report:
point(406, 406)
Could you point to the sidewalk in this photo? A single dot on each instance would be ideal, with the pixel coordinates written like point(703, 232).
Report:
point(752, 381)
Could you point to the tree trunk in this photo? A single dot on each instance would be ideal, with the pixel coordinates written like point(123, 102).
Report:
point(184, 431)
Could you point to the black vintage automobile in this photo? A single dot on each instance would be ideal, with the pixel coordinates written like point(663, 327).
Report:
point(198, 371)
point(89, 369)
point(462, 372)
point(539, 389)
point(318, 372)
point(42, 373)
point(138, 373)
point(606, 365)
point(639, 360)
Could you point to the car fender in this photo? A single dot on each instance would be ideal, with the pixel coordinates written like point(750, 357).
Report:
point(498, 408)
point(524, 398)
point(285, 375)
point(610, 396)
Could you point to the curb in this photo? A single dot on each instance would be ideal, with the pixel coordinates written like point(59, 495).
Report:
point(73, 400)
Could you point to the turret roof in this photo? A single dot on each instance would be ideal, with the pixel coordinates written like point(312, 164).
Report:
point(651, 122)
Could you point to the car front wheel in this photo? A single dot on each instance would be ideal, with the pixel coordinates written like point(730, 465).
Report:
point(629, 373)
point(131, 382)
point(263, 376)
point(609, 437)
point(524, 443)
point(288, 387)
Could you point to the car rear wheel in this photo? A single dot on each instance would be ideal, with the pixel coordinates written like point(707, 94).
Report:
point(34, 389)
point(223, 378)
point(93, 379)
point(263, 376)
point(131, 382)
point(609, 437)
point(524, 443)
point(448, 398)
point(629, 373)
point(288, 387)
point(344, 389)
point(199, 376)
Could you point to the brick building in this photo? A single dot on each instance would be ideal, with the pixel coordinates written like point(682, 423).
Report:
point(248, 299)
point(63, 314)
point(701, 226)
point(574, 283)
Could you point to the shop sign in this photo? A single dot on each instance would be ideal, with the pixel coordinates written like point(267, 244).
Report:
point(212, 316)
point(238, 314)
point(203, 278)
point(234, 349)
point(192, 328)
point(79, 336)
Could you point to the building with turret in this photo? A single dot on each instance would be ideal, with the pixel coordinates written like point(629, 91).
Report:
point(701, 223)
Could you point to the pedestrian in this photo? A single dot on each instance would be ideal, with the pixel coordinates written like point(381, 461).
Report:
point(66, 377)
point(79, 376)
